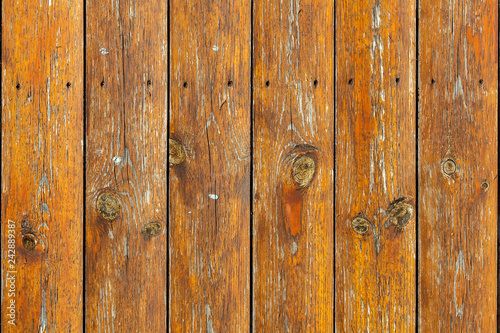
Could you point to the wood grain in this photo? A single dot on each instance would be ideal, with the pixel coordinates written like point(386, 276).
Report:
point(209, 198)
point(458, 144)
point(375, 166)
point(42, 165)
point(293, 166)
point(127, 121)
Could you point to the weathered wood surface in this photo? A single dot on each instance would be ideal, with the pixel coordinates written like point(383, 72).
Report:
point(42, 164)
point(176, 163)
point(293, 166)
point(458, 142)
point(375, 246)
point(209, 178)
point(127, 121)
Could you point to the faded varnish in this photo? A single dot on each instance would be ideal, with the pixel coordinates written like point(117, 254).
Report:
point(293, 166)
point(458, 144)
point(127, 160)
point(375, 222)
point(42, 164)
point(210, 102)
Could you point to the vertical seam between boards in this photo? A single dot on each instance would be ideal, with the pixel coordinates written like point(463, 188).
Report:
point(169, 39)
point(251, 314)
point(84, 92)
point(417, 216)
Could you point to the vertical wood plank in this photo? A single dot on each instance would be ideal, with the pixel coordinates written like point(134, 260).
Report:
point(210, 166)
point(376, 166)
point(458, 165)
point(293, 165)
point(42, 165)
point(127, 87)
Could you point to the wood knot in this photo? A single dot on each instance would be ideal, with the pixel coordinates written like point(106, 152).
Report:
point(303, 170)
point(108, 206)
point(485, 185)
point(449, 167)
point(361, 225)
point(29, 241)
point(400, 212)
point(152, 229)
point(176, 154)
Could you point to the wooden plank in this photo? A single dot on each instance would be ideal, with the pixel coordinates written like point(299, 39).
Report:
point(127, 87)
point(458, 84)
point(42, 165)
point(293, 166)
point(376, 165)
point(210, 166)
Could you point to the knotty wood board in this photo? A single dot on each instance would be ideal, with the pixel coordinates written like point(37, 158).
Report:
point(458, 80)
point(375, 276)
point(42, 163)
point(127, 156)
point(210, 124)
point(293, 197)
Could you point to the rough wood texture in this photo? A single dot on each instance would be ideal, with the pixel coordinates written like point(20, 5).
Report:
point(42, 164)
point(127, 121)
point(293, 166)
point(210, 166)
point(458, 165)
point(375, 166)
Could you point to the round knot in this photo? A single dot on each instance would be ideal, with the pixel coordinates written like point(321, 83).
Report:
point(152, 229)
point(108, 206)
point(400, 213)
point(449, 167)
point(361, 225)
point(485, 186)
point(29, 242)
point(176, 154)
point(303, 170)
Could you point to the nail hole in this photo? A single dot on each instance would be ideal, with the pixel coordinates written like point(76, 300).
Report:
point(18, 86)
point(351, 81)
point(149, 83)
point(267, 83)
point(433, 81)
point(481, 81)
point(29, 242)
point(185, 84)
point(315, 83)
point(68, 84)
point(397, 80)
point(229, 83)
point(103, 83)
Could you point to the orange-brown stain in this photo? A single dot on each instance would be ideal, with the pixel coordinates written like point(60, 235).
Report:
point(292, 202)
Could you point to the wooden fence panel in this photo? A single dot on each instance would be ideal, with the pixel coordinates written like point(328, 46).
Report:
point(127, 121)
point(458, 144)
point(375, 166)
point(293, 165)
point(42, 165)
point(210, 166)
